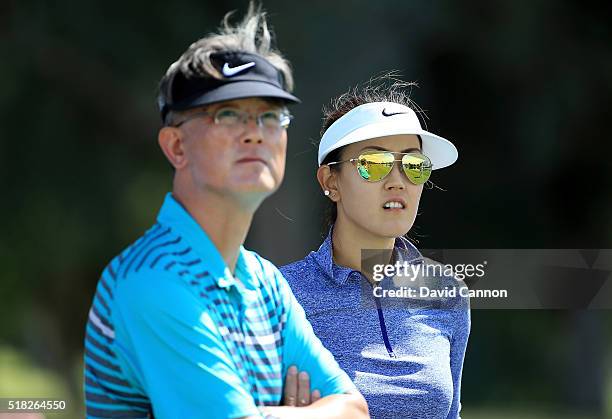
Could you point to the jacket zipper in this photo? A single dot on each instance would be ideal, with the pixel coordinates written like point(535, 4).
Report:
point(383, 328)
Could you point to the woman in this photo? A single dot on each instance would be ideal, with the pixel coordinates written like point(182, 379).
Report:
point(373, 161)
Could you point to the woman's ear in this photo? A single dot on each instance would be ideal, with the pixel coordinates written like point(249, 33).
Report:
point(328, 182)
point(171, 142)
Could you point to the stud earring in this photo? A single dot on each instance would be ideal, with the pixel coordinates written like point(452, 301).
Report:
point(326, 193)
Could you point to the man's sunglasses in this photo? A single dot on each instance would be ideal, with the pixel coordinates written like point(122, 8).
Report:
point(376, 165)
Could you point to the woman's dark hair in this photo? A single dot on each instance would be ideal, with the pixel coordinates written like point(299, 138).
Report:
point(386, 87)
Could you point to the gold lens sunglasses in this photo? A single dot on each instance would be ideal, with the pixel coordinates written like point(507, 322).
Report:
point(374, 166)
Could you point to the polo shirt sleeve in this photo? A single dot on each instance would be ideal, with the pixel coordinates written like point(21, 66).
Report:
point(303, 348)
point(172, 348)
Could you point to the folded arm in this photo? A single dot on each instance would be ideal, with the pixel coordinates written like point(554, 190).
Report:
point(337, 406)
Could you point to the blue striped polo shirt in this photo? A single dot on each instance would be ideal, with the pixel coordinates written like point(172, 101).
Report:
point(172, 333)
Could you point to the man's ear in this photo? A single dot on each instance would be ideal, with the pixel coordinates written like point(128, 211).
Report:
point(328, 182)
point(172, 143)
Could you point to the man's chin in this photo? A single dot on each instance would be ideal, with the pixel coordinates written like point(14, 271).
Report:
point(252, 194)
point(256, 182)
point(263, 187)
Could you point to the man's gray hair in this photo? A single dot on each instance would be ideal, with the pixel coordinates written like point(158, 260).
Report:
point(251, 35)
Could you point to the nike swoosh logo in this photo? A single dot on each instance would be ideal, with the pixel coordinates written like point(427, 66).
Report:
point(384, 112)
point(232, 71)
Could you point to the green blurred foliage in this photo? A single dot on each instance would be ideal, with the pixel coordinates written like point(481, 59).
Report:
point(21, 377)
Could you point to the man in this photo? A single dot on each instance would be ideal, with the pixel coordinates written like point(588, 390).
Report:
point(185, 322)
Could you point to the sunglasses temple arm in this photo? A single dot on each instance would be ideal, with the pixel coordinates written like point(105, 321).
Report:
point(331, 163)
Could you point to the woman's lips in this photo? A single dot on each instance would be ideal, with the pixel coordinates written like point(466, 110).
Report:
point(394, 204)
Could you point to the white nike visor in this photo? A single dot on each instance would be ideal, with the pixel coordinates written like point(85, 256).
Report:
point(382, 119)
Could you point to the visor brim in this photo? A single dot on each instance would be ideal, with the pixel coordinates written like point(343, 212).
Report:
point(237, 90)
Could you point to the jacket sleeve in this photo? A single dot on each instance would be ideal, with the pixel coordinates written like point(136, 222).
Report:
point(458, 348)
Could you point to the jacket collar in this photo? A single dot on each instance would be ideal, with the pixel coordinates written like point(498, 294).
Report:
point(403, 250)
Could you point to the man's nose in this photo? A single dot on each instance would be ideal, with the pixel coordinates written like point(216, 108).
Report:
point(252, 131)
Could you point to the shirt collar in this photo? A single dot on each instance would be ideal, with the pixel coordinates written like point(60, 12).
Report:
point(174, 215)
point(403, 250)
